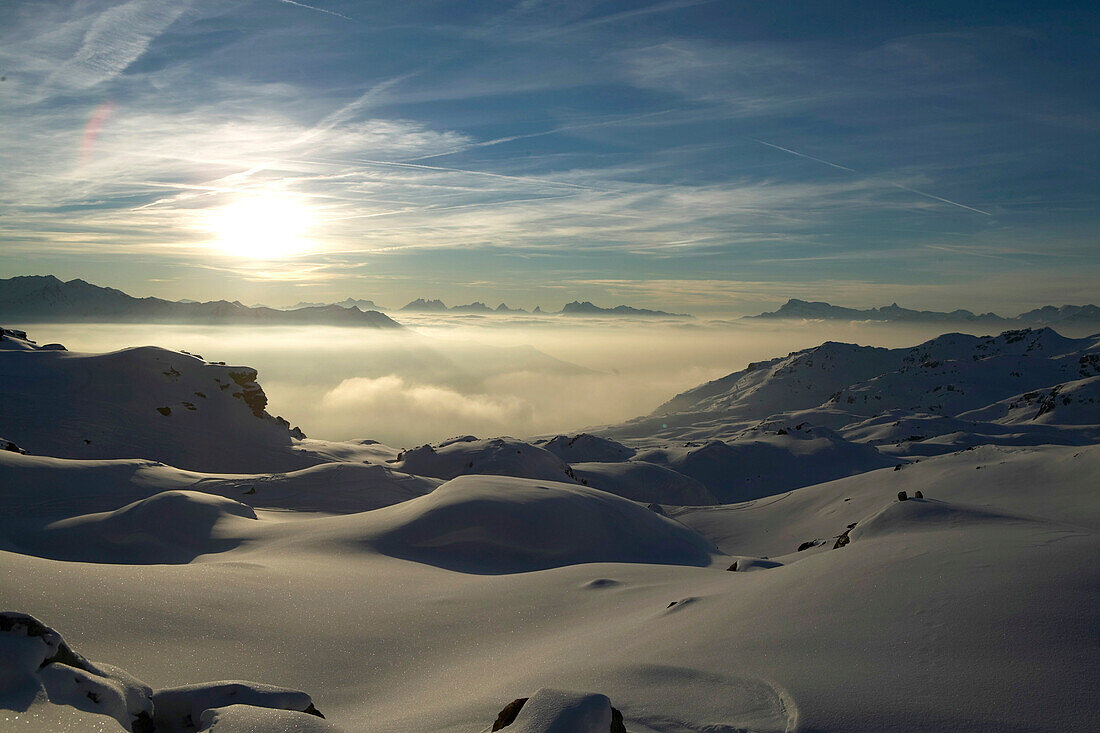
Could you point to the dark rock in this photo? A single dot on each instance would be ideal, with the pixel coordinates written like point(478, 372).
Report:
point(507, 716)
point(617, 721)
point(8, 445)
point(902, 496)
point(919, 495)
point(807, 545)
point(142, 723)
point(733, 568)
point(164, 411)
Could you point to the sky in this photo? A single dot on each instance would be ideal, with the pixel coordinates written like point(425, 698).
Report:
point(688, 155)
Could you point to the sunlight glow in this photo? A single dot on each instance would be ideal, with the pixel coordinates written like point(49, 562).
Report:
point(262, 227)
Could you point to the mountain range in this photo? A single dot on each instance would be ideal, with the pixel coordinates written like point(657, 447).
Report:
point(38, 298)
point(1047, 315)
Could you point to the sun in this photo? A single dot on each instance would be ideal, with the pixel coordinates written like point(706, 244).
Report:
point(261, 227)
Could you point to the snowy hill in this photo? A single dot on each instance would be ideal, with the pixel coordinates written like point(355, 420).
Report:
point(946, 376)
point(496, 457)
point(143, 402)
point(32, 299)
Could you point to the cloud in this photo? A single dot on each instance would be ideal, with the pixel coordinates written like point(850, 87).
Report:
point(405, 410)
point(116, 38)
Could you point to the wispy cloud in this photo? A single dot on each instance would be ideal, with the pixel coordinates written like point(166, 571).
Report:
point(116, 38)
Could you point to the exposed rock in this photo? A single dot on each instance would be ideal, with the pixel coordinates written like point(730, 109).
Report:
point(507, 716)
point(8, 445)
point(251, 392)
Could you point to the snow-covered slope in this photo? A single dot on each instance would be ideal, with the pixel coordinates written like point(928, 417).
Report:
point(767, 462)
point(144, 402)
point(961, 390)
point(645, 482)
point(438, 588)
point(485, 524)
point(585, 448)
point(55, 488)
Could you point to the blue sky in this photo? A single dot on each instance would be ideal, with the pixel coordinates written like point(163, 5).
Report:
point(700, 156)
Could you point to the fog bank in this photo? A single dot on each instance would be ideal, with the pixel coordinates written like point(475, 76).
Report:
point(483, 376)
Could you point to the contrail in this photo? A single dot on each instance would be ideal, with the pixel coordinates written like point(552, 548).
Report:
point(807, 157)
point(889, 183)
point(319, 10)
point(529, 179)
point(544, 133)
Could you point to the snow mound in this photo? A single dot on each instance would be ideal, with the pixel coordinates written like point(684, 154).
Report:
point(922, 515)
point(57, 488)
point(586, 448)
point(562, 711)
point(330, 487)
point(496, 525)
point(497, 457)
point(769, 462)
point(167, 528)
point(177, 709)
point(143, 402)
point(644, 482)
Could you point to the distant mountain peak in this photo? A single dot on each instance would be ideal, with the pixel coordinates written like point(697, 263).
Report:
point(820, 310)
point(588, 308)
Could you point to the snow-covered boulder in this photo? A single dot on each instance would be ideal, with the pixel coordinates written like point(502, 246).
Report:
point(251, 719)
point(644, 482)
point(560, 711)
point(182, 709)
point(497, 456)
point(489, 524)
point(36, 663)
